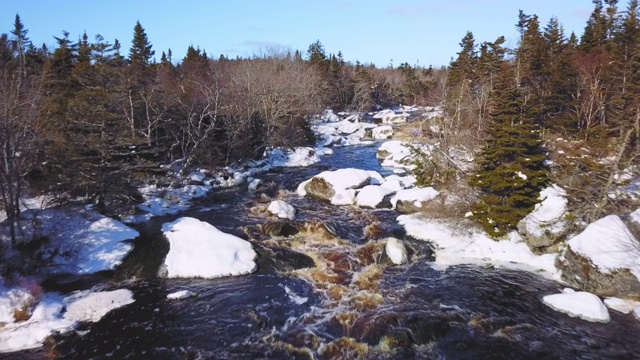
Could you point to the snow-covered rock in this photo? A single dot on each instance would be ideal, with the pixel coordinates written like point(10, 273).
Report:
point(543, 226)
point(412, 200)
point(395, 150)
point(92, 306)
point(396, 251)
point(329, 116)
point(282, 210)
point(373, 196)
point(382, 132)
point(604, 259)
point(298, 157)
point(624, 306)
point(182, 294)
point(336, 186)
point(580, 304)
point(253, 184)
point(635, 217)
point(347, 127)
point(197, 176)
point(455, 246)
point(198, 249)
point(389, 116)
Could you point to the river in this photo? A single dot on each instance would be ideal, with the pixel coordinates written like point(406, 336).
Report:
point(353, 307)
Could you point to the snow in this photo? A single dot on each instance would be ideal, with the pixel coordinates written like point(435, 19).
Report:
point(580, 304)
point(198, 249)
point(298, 157)
point(417, 195)
point(300, 190)
point(382, 132)
point(282, 209)
point(396, 251)
point(49, 315)
point(80, 242)
point(348, 178)
point(93, 306)
point(621, 305)
point(376, 178)
point(389, 116)
point(347, 127)
point(393, 184)
point(397, 150)
point(253, 184)
point(547, 217)
point(521, 175)
point(609, 245)
point(372, 195)
point(179, 295)
point(197, 176)
point(635, 216)
point(344, 197)
point(45, 319)
point(329, 116)
point(454, 246)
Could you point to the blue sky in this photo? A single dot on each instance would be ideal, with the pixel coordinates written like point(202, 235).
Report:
point(423, 32)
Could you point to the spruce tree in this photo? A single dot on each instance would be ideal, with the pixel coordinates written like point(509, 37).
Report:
point(511, 170)
point(140, 53)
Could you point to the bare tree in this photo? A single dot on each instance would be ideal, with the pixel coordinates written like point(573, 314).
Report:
point(19, 106)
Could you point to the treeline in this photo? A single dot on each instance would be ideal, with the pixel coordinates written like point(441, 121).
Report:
point(551, 85)
point(88, 117)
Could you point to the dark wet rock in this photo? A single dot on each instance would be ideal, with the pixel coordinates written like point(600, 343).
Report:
point(408, 206)
point(579, 272)
point(279, 259)
point(279, 228)
point(318, 228)
point(319, 188)
point(419, 250)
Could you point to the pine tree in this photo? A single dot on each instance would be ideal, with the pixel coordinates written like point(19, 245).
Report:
point(140, 53)
point(595, 33)
point(511, 169)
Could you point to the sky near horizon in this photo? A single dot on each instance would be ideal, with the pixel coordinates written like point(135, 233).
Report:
point(419, 32)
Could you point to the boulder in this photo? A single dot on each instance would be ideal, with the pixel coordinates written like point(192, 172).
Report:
point(604, 259)
point(396, 251)
point(411, 200)
point(382, 132)
point(546, 224)
point(374, 196)
point(336, 186)
point(282, 209)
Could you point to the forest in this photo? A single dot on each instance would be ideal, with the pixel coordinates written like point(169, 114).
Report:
point(92, 119)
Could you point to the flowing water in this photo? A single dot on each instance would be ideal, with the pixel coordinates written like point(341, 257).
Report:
point(351, 305)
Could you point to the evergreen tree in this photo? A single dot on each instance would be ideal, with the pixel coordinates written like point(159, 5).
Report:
point(595, 33)
point(316, 55)
point(20, 42)
point(511, 169)
point(140, 53)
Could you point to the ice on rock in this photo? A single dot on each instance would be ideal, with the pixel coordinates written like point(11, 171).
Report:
point(282, 210)
point(584, 305)
point(199, 249)
point(396, 251)
point(183, 294)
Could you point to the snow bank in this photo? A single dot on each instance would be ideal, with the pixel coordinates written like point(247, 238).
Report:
point(198, 249)
point(382, 132)
point(81, 242)
point(415, 196)
point(454, 247)
point(547, 217)
point(580, 304)
point(49, 315)
point(45, 320)
point(92, 306)
point(635, 216)
point(609, 245)
point(282, 210)
point(372, 195)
